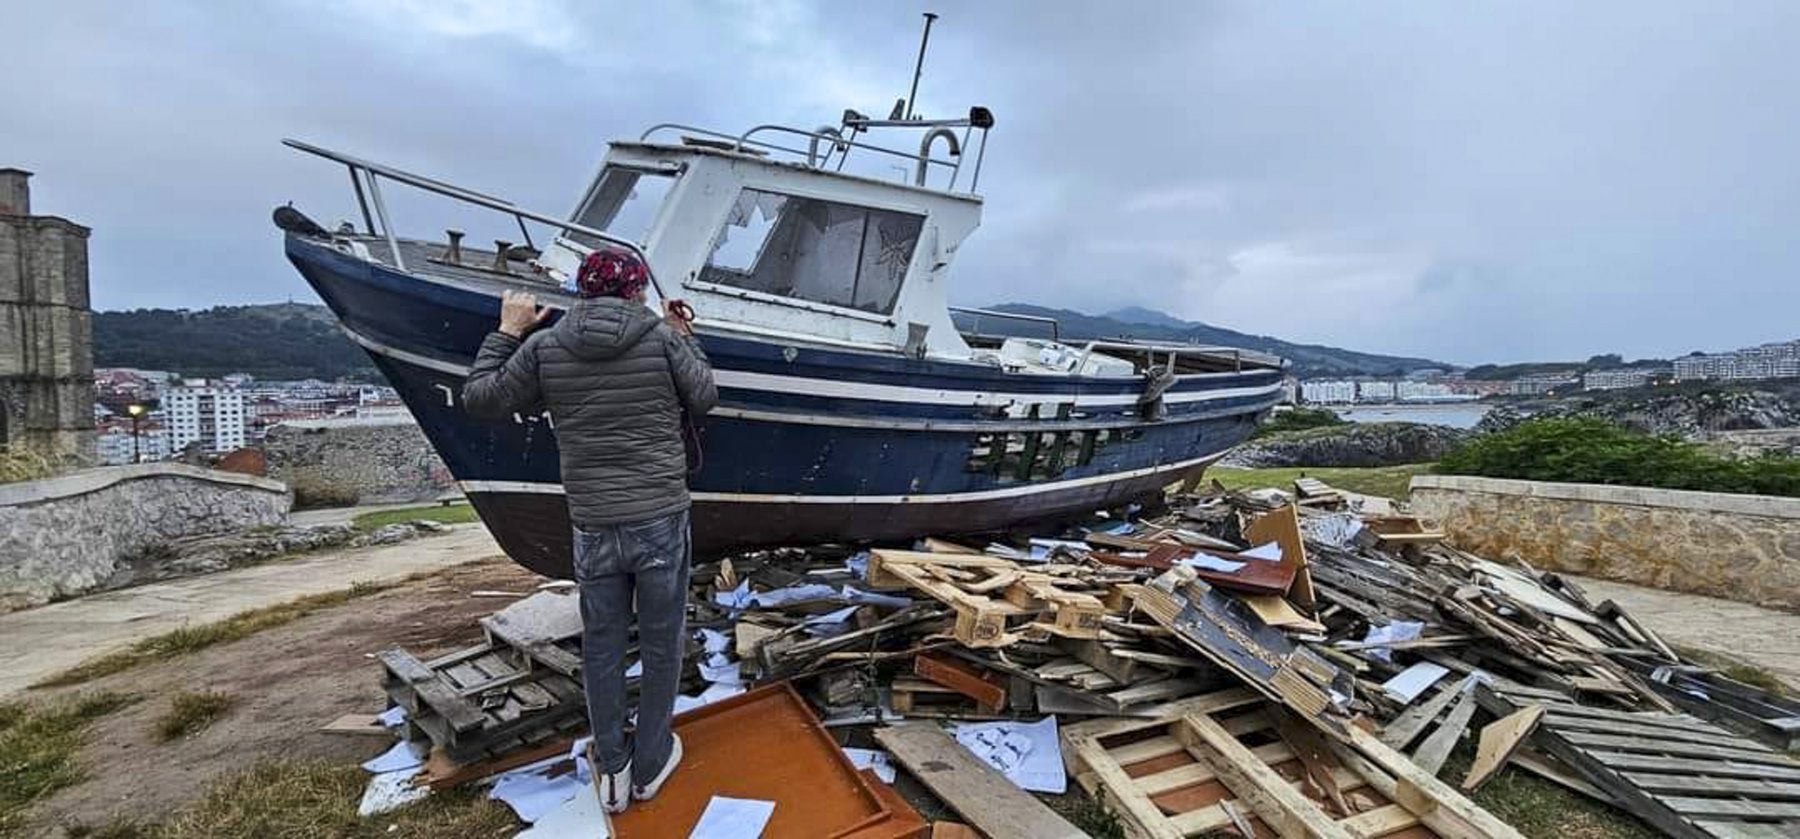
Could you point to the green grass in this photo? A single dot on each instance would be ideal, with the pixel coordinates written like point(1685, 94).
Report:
point(190, 639)
point(191, 711)
point(1388, 481)
point(451, 514)
point(1734, 668)
point(38, 748)
point(313, 798)
point(1541, 809)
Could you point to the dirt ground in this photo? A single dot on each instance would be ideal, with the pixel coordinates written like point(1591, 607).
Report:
point(289, 680)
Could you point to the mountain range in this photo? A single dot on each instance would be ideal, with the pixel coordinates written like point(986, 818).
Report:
point(301, 340)
point(1139, 323)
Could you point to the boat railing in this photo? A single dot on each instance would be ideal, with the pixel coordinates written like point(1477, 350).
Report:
point(1055, 326)
point(1235, 356)
point(368, 172)
point(841, 139)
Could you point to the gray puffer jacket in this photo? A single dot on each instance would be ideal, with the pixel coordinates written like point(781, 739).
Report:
point(615, 379)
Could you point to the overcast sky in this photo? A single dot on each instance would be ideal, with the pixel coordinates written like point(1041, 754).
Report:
point(1466, 181)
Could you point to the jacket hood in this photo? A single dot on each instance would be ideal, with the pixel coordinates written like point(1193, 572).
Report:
point(604, 327)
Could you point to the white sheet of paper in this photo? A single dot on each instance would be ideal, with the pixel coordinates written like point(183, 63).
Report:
point(852, 594)
point(579, 817)
point(1211, 563)
point(715, 641)
point(881, 762)
point(1393, 631)
point(390, 791)
point(1028, 754)
point(393, 717)
point(733, 818)
point(713, 693)
point(532, 794)
point(1409, 683)
point(401, 756)
point(1269, 550)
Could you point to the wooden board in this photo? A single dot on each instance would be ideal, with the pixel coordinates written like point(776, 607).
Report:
point(1283, 528)
point(982, 796)
point(1432, 753)
point(1686, 777)
point(1499, 739)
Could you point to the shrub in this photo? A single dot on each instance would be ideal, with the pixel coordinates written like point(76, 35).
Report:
point(1299, 419)
point(1592, 451)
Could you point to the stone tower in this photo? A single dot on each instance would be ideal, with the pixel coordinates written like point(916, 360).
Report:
point(46, 327)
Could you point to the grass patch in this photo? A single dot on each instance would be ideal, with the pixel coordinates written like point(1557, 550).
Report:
point(312, 798)
point(1090, 816)
point(442, 514)
point(190, 639)
point(1387, 481)
point(191, 711)
point(1733, 668)
point(1541, 809)
point(38, 747)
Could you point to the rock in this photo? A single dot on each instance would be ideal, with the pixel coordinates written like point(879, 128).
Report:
point(355, 464)
point(1688, 413)
point(1358, 444)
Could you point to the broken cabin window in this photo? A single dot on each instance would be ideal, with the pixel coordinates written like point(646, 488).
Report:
point(814, 250)
point(623, 202)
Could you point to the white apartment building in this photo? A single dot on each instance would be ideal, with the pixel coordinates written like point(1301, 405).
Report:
point(113, 445)
point(1376, 391)
point(213, 415)
point(1768, 361)
point(1617, 379)
point(1328, 391)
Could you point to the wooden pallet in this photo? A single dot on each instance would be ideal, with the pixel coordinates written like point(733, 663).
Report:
point(1681, 774)
point(994, 599)
point(482, 701)
point(1233, 760)
point(1710, 695)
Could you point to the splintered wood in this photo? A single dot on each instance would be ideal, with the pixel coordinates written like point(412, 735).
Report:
point(996, 601)
point(1235, 761)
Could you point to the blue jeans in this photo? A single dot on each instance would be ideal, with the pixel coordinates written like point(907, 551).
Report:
point(647, 560)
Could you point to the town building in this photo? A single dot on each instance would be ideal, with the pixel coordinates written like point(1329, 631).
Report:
point(114, 442)
point(1769, 361)
point(1328, 391)
point(1621, 378)
point(1375, 391)
point(211, 414)
point(1543, 384)
point(46, 326)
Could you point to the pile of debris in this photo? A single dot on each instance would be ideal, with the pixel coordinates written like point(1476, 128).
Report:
point(1241, 663)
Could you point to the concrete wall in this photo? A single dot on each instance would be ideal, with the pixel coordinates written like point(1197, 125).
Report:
point(46, 329)
point(67, 534)
point(1740, 547)
point(355, 463)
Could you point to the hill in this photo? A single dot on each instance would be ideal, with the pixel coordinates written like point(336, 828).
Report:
point(274, 341)
point(1310, 360)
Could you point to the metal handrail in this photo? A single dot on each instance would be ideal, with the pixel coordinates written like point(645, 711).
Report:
point(1237, 355)
point(373, 171)
point(1055, 326)
point(838, 142)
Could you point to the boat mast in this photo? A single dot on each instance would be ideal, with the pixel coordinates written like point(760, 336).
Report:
point(919, 68)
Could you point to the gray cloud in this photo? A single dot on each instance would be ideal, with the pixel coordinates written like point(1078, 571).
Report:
point(1476, 182)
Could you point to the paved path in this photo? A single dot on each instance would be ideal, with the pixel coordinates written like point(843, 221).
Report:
point(1763, 637)
point(49, 639)
point(344, 515)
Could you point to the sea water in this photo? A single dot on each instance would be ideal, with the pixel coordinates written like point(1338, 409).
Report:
point(1455, 415)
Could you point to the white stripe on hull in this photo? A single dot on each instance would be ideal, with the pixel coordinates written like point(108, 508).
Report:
point(770, 383)
point(922, 498)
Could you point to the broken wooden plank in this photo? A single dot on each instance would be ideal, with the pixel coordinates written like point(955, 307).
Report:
point(1432, 753)
point(962, 678)
point(982, 796)
point(1412, 722)
point(1499, 739)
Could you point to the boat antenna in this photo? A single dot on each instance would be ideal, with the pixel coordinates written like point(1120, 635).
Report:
point(919, 68)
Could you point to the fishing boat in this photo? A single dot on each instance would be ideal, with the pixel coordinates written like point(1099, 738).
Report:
point(855, 403)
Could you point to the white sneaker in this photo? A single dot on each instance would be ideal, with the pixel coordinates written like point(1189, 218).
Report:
point(648, 791)
point(613, 788)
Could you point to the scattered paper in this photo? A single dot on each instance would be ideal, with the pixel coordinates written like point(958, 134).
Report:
point(718, 669)
point(403, 755)
point(855, 595)
point(733, 818)
point(635, 671)
point(1028, 754)
point(831, 624)
point(1269, 550)
point(1394, 631)
point(1211, 563)
point(1335, 529)
point(580, 817)
point(859, 565)
point(1409, 683)
point(393, 717)
point(532, 793)
point(880, 761)
point(714, 640)
point(390, 791)
point(712, 694)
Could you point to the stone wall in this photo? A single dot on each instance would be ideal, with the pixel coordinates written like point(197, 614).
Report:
point(332, 464)
point(46, 330)
point(1740, 547)
point(69, 534)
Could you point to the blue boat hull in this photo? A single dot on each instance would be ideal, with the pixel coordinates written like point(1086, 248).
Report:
point(809, 443)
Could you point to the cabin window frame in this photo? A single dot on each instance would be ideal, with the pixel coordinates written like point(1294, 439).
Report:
point(697, 281)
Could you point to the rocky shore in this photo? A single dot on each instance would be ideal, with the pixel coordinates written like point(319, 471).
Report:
point(1356, 444)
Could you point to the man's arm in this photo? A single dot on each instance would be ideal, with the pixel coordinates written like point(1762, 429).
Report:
point(688, 365)
point(504, 378)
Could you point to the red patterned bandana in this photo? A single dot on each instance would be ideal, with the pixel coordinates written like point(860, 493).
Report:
point(611, 272)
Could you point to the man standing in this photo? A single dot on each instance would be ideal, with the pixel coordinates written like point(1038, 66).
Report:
point(616, 380)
